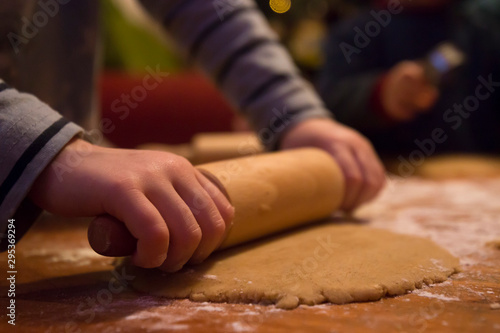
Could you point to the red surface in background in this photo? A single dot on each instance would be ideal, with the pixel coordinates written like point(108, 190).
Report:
point(180, 106)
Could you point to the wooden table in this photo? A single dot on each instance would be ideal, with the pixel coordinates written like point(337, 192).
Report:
point(62, 286)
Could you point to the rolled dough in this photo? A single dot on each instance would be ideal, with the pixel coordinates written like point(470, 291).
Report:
point(334, 263)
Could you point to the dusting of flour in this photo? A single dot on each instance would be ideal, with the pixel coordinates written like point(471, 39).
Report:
point(459, 215)
point(78, 256)
point(462, 216)
point(158, 314)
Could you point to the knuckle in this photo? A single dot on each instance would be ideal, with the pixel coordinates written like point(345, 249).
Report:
point(367, 143)
point(363, 142)
point(193, 236)
point(200, 201)
point(163, 164)
point(216, 227)
point(375, 179)
point(372, 183)
point(178, 163)
point(354, 178)
point(158, 236)
point(122, 185)
point(359, 140)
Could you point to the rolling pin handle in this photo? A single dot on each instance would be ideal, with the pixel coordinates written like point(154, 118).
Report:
point(110, 237)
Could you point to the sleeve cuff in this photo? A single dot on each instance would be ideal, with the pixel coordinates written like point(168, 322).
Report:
point(271, 136)
point(31, 135)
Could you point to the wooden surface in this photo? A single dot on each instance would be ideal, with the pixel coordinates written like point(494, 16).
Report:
point(62, 286)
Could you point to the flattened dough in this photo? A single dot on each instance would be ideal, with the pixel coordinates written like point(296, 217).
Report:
point(335, 263)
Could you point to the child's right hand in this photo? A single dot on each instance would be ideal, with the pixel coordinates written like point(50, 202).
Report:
point(176, 213)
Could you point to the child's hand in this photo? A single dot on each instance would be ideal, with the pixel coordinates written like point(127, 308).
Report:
point(406, 91)
point(362, 169)
point(176, 214)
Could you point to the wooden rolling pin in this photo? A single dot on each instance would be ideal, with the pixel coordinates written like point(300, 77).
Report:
point(270, 192)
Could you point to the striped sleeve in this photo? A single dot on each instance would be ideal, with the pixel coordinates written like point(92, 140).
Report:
point(31, 135)
point(233, 43)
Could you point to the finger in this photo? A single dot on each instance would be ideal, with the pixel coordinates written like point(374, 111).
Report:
point(427, 97)
point(414, 70)
point(412, 83)
point(352, 174)
point(410, 93)
point(185, 233)
point(145, 223)
point(406, 110)
point(208, 217)
point(220, 199)
point(373, 175)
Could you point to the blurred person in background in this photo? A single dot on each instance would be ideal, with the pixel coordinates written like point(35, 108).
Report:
point(386, 74)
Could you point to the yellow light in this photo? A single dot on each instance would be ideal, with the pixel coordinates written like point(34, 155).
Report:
point(280, 6)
